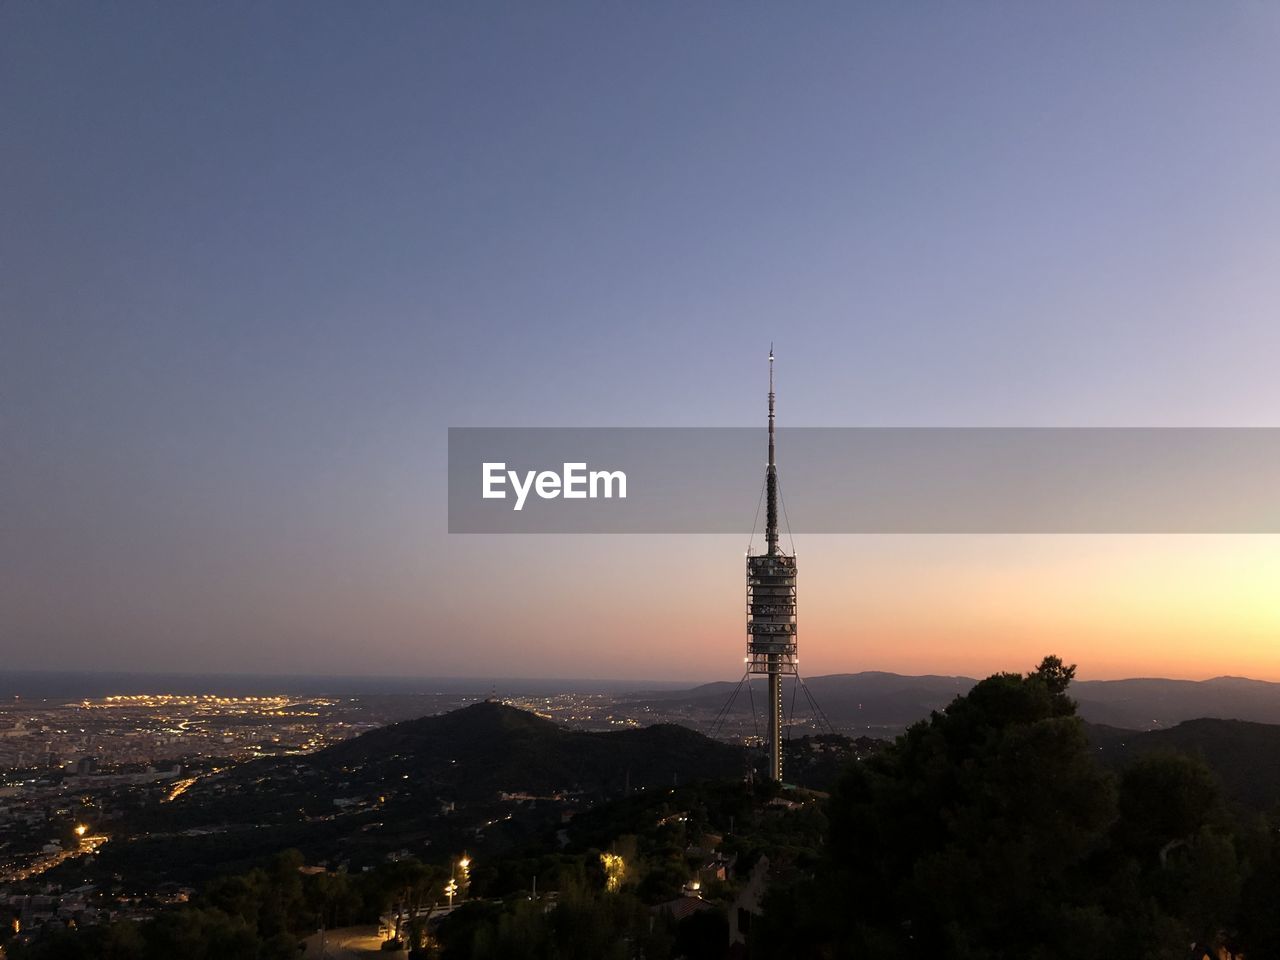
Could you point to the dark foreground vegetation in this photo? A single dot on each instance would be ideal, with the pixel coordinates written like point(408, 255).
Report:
point(995, 829)
point(991, 830)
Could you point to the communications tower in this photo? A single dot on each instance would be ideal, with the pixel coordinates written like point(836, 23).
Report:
point(771, 606)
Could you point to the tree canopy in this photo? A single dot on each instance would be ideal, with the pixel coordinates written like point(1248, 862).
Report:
point(989, 831)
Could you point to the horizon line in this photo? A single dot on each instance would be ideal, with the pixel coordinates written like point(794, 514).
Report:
point(491, 680)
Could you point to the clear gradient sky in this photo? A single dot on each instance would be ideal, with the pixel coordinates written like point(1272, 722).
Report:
point(256, 258)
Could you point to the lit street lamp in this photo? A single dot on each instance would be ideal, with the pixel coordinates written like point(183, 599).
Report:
point(464, 865)
point(450, 889)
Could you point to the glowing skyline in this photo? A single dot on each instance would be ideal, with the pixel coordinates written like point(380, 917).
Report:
point(255, 261)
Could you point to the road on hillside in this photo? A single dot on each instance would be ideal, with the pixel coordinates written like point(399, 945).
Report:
point(346, 943)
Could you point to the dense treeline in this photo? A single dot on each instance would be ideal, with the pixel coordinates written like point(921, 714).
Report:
point(254, 916)
point(586, 924)
point(990, 830)
point(262, 915)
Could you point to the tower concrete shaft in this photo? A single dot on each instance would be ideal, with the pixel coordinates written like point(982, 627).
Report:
point(771, 604)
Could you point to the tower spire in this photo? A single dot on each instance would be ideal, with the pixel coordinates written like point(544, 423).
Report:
point(771, 476)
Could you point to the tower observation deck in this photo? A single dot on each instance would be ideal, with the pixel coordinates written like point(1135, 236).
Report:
point(771, 605)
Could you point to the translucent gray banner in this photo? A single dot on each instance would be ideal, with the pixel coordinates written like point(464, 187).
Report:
point(866, 480)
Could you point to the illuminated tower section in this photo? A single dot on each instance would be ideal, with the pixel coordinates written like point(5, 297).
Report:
point(771, 606)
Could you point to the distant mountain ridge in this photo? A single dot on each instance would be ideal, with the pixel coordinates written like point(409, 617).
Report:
point(876, 699)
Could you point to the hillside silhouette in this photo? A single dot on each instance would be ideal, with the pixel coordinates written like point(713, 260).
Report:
point(415, 785)
point(1243, 755)
point(479, 750)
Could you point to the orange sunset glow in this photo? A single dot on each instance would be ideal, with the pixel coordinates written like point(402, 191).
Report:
point(1179, 606)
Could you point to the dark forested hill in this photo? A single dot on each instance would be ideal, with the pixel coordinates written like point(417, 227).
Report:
point(474, 752)
point(1245, 756)
point(434, 782)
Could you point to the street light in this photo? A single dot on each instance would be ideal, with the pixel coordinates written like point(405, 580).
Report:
point(615, 869)
point(450, 889)
point(464, 864)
